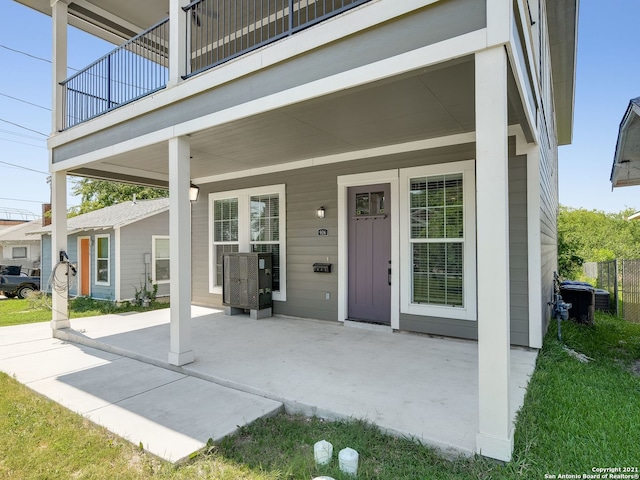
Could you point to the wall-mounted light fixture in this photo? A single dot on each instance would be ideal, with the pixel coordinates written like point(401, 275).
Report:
point(320, 212)
point(194, 191)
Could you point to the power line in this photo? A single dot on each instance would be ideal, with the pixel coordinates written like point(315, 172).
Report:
point(31, 56)
point(22, 143)
point(23, 135)
point(19, 200)
point(20, 126)
point(24, 168)
point(24, 101)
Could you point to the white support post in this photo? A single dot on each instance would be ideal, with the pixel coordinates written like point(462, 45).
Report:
point(534, 248)
point(180, 352)
point(59, 299)
point(177, 41)
point(495, 431)
point(59, 13)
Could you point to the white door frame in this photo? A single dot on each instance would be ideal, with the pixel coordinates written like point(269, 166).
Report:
point(81, 266)
point(369, 178)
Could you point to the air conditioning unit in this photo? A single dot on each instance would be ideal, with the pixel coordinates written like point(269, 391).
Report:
point(247, 284)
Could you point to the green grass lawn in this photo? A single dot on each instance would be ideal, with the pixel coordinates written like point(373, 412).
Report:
point(15, 311)
point(576, 416)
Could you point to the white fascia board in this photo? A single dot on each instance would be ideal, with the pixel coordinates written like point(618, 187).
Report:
point(112, 150)
point(422, 57)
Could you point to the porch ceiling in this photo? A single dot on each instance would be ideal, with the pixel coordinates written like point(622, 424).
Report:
point(115, 21)
point(424, 104)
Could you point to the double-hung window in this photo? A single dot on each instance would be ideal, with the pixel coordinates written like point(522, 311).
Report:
point(103, 263)
point(19, 252)
point(249, 220)
point(160, 266)
point(438, 239)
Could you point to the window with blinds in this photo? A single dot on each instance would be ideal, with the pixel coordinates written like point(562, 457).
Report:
point(249, 220)
point(437, 239)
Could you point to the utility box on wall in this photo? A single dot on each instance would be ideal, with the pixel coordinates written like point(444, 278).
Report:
point(247, 283)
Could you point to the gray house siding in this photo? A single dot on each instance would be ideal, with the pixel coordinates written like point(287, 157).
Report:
point(103, 292)
point(548, 221)
point(438, 22)
point(306, 190)
point(518, 270)
point(518, 251)
point(45, 255)
point(136, 239)
point(97, 291)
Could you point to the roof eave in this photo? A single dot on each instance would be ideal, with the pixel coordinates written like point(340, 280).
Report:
point(562, 18)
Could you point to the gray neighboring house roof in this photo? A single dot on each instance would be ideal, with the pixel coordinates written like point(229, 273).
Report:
point(21, 232)
point(626, 161)
point(115, 216)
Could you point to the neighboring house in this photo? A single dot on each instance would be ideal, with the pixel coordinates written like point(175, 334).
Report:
point(427, 130)
point(626, 160)
point(19, 247)
point(117, 250)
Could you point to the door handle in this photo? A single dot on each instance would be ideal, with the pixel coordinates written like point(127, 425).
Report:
point(389, 273)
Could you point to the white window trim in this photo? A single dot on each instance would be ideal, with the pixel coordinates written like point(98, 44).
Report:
point(244, 229)
point(108, 282)
point(27, 252)
point(153, 259)
point(469, 311)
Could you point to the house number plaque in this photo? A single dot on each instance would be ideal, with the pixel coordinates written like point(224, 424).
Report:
point(323, 232)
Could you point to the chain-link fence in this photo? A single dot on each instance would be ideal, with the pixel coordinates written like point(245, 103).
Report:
point(621, 278)
point(607, 279)
point(630, 289)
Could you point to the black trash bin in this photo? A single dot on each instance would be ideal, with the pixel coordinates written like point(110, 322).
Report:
point(582, 300)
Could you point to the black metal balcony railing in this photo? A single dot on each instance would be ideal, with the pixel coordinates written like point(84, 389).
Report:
point(220, 30)
point(131, 71)
point(217, 31)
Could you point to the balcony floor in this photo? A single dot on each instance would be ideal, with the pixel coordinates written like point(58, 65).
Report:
point(407, 384)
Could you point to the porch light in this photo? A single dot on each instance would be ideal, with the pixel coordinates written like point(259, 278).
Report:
point(194, 190)
point(320, 212)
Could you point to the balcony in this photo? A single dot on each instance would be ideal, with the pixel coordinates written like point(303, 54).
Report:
point(216, 32)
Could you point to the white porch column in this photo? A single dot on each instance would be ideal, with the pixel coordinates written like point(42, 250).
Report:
point(177, 41)
point(495, 431)
point(59, 302)
point(180, 352)
point(59, 61)
point(534, 248)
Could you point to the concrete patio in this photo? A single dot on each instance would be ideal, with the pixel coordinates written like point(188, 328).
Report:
point(407, 384)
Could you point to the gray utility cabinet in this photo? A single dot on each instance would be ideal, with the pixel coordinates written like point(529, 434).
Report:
point(247, 283)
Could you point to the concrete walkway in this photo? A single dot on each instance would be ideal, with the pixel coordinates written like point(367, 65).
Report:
point(407, 384)
point(171, 414)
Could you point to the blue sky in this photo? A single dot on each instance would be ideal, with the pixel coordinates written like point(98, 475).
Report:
point(608, 76)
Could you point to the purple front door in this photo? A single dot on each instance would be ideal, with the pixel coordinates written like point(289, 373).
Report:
point(369, 254)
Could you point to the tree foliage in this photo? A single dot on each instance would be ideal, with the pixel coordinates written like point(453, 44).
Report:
point(594, 236)
point(97, 194)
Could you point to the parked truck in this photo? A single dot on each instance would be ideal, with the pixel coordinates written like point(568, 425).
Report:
point(15, 283)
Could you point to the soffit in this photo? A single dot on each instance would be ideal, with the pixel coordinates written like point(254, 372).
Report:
point(562, 20)
point(419, 105)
